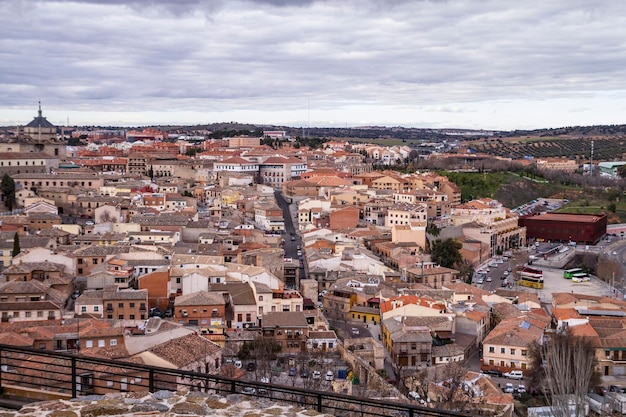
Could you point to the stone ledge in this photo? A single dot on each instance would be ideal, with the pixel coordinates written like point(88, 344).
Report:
point(161, 403)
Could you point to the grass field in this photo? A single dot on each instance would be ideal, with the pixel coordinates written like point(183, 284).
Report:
point(512, 190)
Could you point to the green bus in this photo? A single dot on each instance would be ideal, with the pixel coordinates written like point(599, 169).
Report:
point(569, 273)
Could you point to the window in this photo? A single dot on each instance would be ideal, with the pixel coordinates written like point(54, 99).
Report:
point(492, 349)
point(94, 261)
point(101, 343)
point(260, 298)
point(27, 313)
point(113, 342)
point(512, 351)
point(524, 352)
point(89, 343)
point(120, 305)
point(96, 308)
point(214, 313)
point(178, 280)
point(248, 317)
point(83, 309)
point(120, 317)
point(40, 314)
point(132, 305)
point(502, 350)
point(239, 317)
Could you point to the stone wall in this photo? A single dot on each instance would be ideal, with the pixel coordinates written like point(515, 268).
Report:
point(164, 403)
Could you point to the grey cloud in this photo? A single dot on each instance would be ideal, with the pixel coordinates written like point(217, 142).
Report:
point(272, 54)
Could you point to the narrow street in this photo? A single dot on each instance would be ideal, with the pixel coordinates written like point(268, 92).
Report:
point(291, 246)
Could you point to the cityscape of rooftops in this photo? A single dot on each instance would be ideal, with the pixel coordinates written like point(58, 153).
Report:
point(420, 202)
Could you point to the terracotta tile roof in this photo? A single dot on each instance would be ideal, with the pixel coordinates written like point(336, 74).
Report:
point(185, 350)
point(199, 298)
point(295, 319)
point(15, 339)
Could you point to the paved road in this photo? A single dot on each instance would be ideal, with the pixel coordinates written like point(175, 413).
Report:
point(291, 246)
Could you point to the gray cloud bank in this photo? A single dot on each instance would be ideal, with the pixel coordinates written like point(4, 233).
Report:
point(279, 56)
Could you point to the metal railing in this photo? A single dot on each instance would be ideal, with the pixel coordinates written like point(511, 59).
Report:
point(64, 375)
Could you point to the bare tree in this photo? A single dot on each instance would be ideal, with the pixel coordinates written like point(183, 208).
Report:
point(607, 269)
point(566, 367)
point(106, 217)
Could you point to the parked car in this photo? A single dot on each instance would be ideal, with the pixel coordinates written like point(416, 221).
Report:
point(292, 372)
point(293, 238)
point(316, 375)
point(330, 376)
point(493, 372)
point(354, 330)
point(488, 279)
point(238, 364)
point(514, 375)
point(508, 388)
point(251, 366)
point(304, 374)
point(600, 390)
point(521, 389)
point(248, 391)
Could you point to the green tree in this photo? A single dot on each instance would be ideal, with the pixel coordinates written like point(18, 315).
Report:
point(7, 186)
point(16, 244)
point(446, 252)
point(612, 207)
point(432, 229)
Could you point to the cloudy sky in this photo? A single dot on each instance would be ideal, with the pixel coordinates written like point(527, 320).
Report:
point(490, 64)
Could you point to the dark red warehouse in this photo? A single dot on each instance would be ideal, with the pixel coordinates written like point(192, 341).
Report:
point(565, 227)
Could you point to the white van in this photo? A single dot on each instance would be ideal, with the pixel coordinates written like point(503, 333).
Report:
point(514, 375)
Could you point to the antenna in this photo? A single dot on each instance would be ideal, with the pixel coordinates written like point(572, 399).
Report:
point(591, 160)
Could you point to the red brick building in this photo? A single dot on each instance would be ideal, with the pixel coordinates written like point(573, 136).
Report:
point(157, 284)
point(565, 227)
point(347, 217)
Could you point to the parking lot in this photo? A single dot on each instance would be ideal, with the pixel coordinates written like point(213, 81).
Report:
point(311, 372)
point(552, 278)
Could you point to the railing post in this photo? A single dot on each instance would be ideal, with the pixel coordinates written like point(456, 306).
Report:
point(319, 403)
point(151, 380)
point(73, 377)
point(1, 388)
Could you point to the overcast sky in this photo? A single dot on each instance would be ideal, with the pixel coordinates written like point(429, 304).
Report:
point(479, 64)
